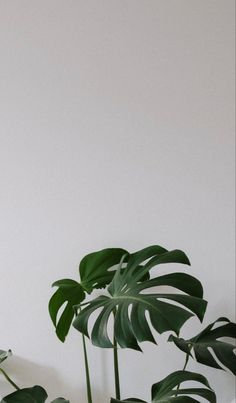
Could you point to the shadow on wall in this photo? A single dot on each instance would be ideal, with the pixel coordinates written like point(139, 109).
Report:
point(26, 373)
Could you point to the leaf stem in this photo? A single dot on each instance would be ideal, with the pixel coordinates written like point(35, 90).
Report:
point(186, 362)
point(116, 369)
point(9, 379)
point(88, 383)
point(184, 368)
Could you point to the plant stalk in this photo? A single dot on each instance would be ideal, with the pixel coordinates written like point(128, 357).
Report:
point(116, 370)
point(184, 368)
point(9, 379)
point(88, 383)
point(186, 362)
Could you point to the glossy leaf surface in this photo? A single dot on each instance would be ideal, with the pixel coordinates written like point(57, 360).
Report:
point(130, 303)
point(209, 338)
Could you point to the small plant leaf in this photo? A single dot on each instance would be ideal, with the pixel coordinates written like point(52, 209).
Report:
point(36, 394)
point(4, 355)
point(94, 267)
point(70, 293)
point(209, 338)
point(130, 304)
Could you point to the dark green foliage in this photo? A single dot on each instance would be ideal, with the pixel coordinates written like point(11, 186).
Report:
point(126, 293)
point(209, 338)
point(71, 293)
point(131, 296)
point(95, 268)
point(36, 394)
point(168, 390)
point(94, 273)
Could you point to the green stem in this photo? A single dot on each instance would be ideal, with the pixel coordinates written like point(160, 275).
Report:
point(186, 362)
point(9, 379)
point(116, 363)
point(184, 368)
point(88, 383)
point(116, 369)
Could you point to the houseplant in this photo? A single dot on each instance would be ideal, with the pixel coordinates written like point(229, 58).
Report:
point(126, 276)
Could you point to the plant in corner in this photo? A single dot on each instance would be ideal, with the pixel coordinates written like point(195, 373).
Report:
point(129, 297)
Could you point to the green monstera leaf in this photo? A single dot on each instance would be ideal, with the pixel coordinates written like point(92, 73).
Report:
point(209, 338)
point(36, 394)
point(95, 267)
point(169, 390)
point(94, 273)
point(70, 293)
point(129, 301)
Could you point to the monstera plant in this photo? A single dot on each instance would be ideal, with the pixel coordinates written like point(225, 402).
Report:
point(132, 299)
point(132, 291)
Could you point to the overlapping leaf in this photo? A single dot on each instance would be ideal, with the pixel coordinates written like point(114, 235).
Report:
point(94, 273)
point(36, 394)
point(209, 338)
point(169, 390)
point(129, 304)
point(95, 267)
point(70, 293)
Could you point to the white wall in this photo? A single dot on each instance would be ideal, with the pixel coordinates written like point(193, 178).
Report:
point(116, 130)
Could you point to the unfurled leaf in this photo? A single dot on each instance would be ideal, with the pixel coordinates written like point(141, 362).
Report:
point(4, 355)
point(95, 267)
point(69, 293)
point(130, 304)
point(209, 339)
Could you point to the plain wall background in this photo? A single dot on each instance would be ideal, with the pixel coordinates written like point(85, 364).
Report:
point(116, 127)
